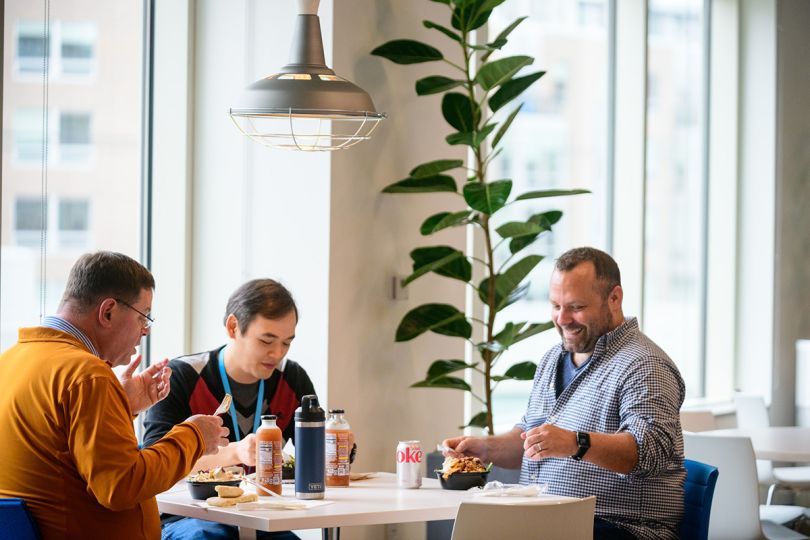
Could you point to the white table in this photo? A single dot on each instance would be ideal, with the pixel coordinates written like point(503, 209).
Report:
point(375, 501)
point(774, 443)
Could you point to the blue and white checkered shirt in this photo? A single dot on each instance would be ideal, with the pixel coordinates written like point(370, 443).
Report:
point(630, 385)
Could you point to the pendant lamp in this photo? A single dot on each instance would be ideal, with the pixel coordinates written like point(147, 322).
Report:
point(306, 106)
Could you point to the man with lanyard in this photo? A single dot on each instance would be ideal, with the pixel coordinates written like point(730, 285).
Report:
point(603, 414)
point(260, 321)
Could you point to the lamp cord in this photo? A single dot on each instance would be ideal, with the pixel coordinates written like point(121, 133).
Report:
point(46, 38)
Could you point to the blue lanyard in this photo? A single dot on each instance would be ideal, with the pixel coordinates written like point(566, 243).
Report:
point(257, 418)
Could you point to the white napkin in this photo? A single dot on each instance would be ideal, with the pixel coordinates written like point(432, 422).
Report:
point(497, 489)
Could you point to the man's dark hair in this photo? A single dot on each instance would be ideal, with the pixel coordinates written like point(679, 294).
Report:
point(265, 297)
point(607, 271)
point(105, 274)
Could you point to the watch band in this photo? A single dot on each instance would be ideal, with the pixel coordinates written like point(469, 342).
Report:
point(583, 444)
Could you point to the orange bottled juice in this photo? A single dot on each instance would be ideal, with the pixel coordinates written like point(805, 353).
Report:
point(338, 447)
point(268, 455)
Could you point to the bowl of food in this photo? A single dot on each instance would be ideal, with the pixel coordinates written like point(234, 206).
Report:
point(462, 473)
point(202, 484)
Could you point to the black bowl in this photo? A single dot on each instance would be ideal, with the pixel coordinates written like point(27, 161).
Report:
point(203, 490)
point(463, 480)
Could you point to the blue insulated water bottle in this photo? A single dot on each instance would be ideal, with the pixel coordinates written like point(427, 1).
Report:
point(310, 449)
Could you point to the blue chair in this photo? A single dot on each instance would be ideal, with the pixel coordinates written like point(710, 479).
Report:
point(697, 505)
point(16, 522)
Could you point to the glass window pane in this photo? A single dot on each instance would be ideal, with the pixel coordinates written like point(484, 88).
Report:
point(557, 141)
point(94, 148)
point(675, 225)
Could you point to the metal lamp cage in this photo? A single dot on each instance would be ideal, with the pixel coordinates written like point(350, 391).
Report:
point(306, 130)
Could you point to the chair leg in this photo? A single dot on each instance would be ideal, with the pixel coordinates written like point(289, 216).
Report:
point(771, 489)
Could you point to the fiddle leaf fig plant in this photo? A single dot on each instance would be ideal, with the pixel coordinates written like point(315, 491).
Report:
point(477, 88)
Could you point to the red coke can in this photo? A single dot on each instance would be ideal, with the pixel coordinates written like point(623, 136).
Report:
point(409, 464)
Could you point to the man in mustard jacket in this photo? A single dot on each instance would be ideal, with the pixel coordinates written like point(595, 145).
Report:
point(69, 448)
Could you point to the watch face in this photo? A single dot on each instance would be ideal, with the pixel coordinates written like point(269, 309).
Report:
point(583, 439)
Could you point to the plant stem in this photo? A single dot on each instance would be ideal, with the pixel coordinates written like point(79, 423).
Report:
point(480, 168)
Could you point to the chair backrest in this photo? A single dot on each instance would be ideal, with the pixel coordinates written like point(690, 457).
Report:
point(569, 520)
point(697, 501)
point(751, 411)
point(698, 421)
point(16, 522)
point(735, 505)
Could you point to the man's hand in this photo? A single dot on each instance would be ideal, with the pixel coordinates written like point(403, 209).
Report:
point(547, 441)
point(246, 450)
point(214, 434)
point(465, 446)
point(147, 387)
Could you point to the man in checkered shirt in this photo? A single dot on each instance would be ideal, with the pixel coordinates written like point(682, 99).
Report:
point(603, 414)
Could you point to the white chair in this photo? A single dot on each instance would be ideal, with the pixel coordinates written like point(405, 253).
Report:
point(569, 520)
point(736, 512)
point(696, 421)
point(752, 413)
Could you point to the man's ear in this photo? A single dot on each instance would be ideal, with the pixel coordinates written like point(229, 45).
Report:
point(231, 326)
point(105, 312)
point(616, 296)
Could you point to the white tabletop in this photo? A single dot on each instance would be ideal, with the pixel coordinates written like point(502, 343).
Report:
point(367, 502)
point(774, 443)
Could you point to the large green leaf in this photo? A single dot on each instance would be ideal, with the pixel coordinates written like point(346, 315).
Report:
point(512, 89)
point(460, 112)
point(472, 138)
point(443, 220)
point(469, 15)
point(507, 284)
point(444, 30)
point(440, 368)
point(522, 371)
point(479, 420)
point(506, 337)
point(498, 72)
point(443, 382)
point(518, 228)
point(435, 167)
point(428, 184)
point(442, 319)
point(501, 39)
point(435, 84)
point(444, 260)
point(551, 193)
point(544, 220)
point(505, 126)
point(533, 329)
point(408, 51)
point(487, 197)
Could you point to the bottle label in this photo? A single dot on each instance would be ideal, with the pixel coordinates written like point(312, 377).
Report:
point(337, 453)
point(268, 462)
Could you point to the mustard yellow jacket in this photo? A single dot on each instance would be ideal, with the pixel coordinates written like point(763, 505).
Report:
point(68, 447)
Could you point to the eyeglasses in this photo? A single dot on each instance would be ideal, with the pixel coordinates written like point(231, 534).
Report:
point(148, 322)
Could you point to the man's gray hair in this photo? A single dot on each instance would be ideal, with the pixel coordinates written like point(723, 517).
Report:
point(106, 274)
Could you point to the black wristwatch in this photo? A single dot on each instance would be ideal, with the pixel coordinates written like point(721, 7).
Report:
point(583, 443)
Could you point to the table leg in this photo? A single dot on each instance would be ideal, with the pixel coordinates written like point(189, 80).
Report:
point(331, 533)
point(246, 533)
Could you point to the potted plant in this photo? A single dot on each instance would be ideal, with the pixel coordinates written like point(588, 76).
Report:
point(474, 101)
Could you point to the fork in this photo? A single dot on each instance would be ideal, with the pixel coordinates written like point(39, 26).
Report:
point(261, 487)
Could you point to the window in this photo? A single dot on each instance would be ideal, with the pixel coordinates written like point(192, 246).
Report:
point(31, 47)
point(29, 220)
point(74, 219)
point(94, 131)
point(76, 51)
point(558, 141)
point(675, 225)
point(74, 136)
